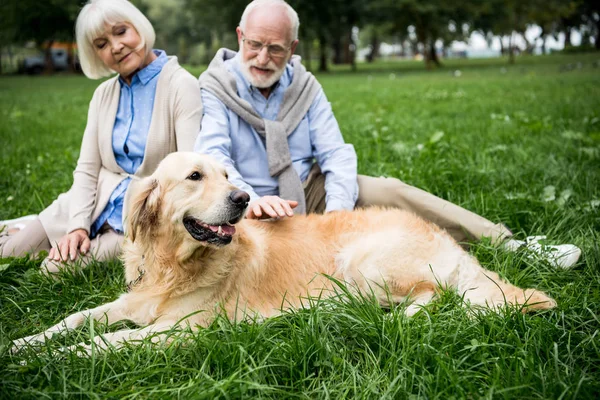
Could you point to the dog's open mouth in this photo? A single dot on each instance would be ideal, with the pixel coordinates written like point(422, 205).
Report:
point(214, 234)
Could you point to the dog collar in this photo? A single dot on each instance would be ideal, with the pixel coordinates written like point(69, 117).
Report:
point(141, 273)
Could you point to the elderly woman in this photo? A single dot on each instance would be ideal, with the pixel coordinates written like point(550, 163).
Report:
point(148, 110)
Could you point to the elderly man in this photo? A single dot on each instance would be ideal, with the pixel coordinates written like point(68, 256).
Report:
point(268, 120)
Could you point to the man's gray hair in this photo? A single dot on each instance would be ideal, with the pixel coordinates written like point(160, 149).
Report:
point(291, 13)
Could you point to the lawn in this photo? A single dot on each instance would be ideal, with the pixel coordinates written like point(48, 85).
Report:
point(518, 144)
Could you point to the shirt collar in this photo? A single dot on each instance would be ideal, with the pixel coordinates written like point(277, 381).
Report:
point(146, 74)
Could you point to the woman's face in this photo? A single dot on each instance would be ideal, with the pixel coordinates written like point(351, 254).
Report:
point(119, 48)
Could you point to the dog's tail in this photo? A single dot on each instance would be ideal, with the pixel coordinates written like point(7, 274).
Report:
point(486, 288)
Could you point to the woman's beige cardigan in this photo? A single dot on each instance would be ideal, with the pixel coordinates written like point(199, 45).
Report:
point(174, 127)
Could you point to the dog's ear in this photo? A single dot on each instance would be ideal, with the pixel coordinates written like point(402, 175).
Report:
point(143, 205)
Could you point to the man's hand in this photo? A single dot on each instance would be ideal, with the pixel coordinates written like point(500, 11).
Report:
point(70, 246)
point(271, 207)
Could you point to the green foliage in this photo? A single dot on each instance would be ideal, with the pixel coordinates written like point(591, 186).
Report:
point(39, 20)
point(220, 18)
point(185, 26)
point(492, 139)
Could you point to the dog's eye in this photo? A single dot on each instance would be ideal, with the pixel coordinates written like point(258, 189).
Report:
point(195, 176)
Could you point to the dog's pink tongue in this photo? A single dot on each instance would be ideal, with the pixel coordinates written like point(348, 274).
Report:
point(228, 229)
point(225, 229)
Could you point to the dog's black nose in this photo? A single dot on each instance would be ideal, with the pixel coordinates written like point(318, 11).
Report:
point(239, 197)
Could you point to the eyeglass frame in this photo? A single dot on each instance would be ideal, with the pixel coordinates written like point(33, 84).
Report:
point(268, 46)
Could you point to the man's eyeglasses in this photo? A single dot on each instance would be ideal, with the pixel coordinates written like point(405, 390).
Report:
point(274, 50)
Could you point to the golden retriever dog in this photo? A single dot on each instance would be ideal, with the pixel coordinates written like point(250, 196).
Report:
point(189, 254)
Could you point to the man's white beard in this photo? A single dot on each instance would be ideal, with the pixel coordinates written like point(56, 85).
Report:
point(262, 82)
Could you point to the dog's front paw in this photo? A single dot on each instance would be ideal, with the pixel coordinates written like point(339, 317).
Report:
point(79, 349)
point(28, 341)
point(20, 344)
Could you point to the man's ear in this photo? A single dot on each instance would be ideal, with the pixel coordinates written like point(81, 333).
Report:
point(238, 31)
point(294, 45)
point(143, 205)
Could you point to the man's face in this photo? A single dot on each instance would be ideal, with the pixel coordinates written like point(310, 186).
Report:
point(271, 28)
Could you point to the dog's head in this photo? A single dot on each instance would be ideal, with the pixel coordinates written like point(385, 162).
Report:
point(188, 199)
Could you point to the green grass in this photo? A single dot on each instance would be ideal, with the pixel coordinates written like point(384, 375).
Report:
point(497, 139)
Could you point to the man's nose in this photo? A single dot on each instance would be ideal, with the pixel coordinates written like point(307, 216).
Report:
point(263, 55)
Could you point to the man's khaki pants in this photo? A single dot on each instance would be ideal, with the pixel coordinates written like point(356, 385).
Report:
point(462, 224)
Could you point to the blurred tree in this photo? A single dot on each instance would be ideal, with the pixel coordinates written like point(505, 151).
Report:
point(548, 15)
point(509, 17)
point(590, 15)
point(7, 27)
point(505, 18)
point(307, 32)
point(43, 22)
point(429, 20)
point(378, 26)
point(571, 22)
point(376, 33)
point(331, 24)
point(176, 27)
point(215, 21)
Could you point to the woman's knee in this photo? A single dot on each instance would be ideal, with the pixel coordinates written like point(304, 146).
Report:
point(31, 238)
point(107, 246)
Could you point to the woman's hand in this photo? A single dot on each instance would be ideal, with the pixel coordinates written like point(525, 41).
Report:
point(271, 207)
point(70, 246)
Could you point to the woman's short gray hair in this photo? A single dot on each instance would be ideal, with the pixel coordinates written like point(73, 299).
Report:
point(91, 23)
point(292, 15)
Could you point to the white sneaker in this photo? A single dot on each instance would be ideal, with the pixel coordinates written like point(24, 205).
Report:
point(562, 255)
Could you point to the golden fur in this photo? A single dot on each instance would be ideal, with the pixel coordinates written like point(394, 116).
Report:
point(270, 266)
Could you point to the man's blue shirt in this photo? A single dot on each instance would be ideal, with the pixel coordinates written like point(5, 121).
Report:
point(235, 143)
point(130, 133)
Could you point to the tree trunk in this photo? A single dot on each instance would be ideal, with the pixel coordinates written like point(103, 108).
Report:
point(543, 36)
point(414, 46)
point(323, 54)
point(530, 46)
point(350, 50)
point(426, 56)
point(306, 47)
point(182, 49)
point(544, 49)
point(431, 56)
point(374, 48)
point(511, 50)
point(402, 49)
point(502, 49)
point(70, 57)
point(567, 37)
point(337, 50)
point(49, 63)
point(597, 43)
point(346, 49)
point(428, 43)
